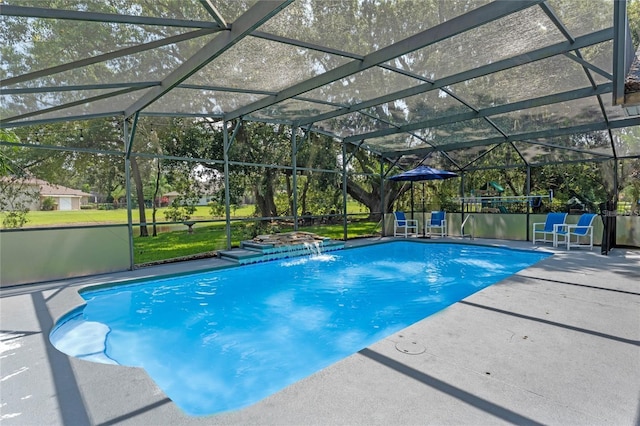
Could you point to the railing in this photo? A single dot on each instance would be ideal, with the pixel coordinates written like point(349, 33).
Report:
point(503, 204)
point(464, 222)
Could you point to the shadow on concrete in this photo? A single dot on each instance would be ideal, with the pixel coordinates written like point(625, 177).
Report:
point(555, 324)
point(16, 334)
point(577, 285)
point(623, 263)
point(135, 412)
point(70, 402)
point(464, 396)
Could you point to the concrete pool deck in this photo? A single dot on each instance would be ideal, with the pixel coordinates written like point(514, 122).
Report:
point(557, 344)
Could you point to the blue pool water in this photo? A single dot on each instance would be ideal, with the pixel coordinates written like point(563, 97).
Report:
point(223, 340)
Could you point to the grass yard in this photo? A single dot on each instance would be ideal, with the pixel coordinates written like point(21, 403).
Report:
point(170, 245)
point(174, 241)
point(119, 216)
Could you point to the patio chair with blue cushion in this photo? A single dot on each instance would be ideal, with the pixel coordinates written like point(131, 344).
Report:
point(576, 235)
point(546, 228)
point(404, 226)
point(438, 221)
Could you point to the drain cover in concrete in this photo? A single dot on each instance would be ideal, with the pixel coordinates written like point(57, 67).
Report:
point(409, 347)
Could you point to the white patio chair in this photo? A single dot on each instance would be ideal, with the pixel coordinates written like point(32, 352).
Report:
point(404, 226)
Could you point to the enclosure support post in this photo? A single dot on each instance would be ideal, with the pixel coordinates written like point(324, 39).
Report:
point(382, 207)
point(227, 195)
point(615, 182)
point(344, 190)
point(227, 192)
point(528, 199)
point(461, 193)
point(128, 142)
point(622, 53)
point(294, 177)
point(227, 142)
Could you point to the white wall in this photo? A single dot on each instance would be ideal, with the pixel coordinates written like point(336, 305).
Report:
point(35, 255)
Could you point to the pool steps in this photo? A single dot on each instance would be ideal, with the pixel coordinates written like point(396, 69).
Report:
point(253, 252)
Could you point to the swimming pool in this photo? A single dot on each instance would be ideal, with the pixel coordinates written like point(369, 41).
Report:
point(222, 340)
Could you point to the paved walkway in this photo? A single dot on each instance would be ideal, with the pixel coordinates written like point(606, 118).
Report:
point(556, 344)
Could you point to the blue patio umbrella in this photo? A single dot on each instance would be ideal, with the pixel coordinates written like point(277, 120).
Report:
point(422, 173)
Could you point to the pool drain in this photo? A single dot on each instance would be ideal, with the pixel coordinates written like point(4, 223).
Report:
point(411, 348)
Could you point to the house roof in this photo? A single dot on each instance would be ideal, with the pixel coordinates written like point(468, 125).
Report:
point(51, 190)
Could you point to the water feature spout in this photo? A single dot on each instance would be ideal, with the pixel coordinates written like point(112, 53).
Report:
point(313, 248)
point(285, 245)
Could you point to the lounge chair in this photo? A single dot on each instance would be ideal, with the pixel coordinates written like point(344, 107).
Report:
point(547, 227)
point(403, 226)
point(438, 222)
point(574, 235)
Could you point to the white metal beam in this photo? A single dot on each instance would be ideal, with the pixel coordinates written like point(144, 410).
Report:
point(211, 9)
point(244, 25)
point(75, 15)
point(488, 112)
point(443, 83)
point(516, 137)
point(104, 57)
point(460, 24)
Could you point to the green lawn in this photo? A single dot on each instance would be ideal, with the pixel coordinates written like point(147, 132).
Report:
point(170, 245)
point(175, 241)
point(83, 217)
point(119, 216)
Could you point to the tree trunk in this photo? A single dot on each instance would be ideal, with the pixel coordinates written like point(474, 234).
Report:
point(135, 171)
point(155, 197)
point(509, 182)
point(266, 205)
point(303, 198)
point(372, 199)
point(260, 202)
point(289, 193)
point(270, 202)
point(263, 191)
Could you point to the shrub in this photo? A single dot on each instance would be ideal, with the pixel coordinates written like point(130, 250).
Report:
point(15, 198)
point(216, 209)
point(178, 212)
point(48, 204)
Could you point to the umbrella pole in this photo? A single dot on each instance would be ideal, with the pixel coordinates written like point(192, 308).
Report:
point(424, 223)
point(411, 200)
